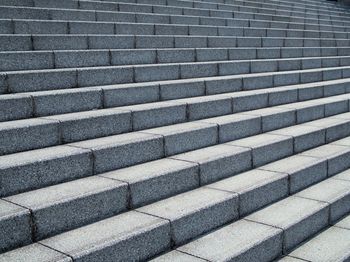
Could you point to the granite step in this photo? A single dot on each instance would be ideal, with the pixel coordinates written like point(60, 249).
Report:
point(223, 11)
point(288, 86)
point(183, 172)
point(33, 60)
point(29, 134)
point(58, 79)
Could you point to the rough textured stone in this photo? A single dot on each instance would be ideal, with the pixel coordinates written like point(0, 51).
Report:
point(156, 180)
point(243, 240)
point(192, 213)
point(131, 235)
point(218, 161)
point(299, 219)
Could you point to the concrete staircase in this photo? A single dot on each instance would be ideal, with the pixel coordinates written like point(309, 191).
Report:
point(174, 130)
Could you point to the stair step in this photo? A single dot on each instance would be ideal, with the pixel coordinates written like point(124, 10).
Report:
point(34, 60)
point(57, 79)
point(19, 42)
point(331, 244)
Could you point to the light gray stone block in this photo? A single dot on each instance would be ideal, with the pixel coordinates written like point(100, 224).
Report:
point(170, 30)
point(266, 147)
point(192, 214)
point(282, 79)
point(305, 137)
point(130, 94)
point(335, 128)
point(218, 85)
point(218, 161)
point(336, 155)
point(242, 53)
point(66, 101)
point(60, 42)
point(28, 81)
point(249, 100)
point(104, 76)
point(298, 217)
point(92, 124)
point(234, 68)
point(155, 42)
point(331, 244)
point(16, 106)
point(11, 61)
point(87, 58)
point(27, 134)
point(182, 89)
point(208, 106)
point(34, 253)
point(156, 180)
point(123, 150)
point(77, 15)
point(131, 235)
point(307, 110)
point(135, 29)
point(42, 167)
point(15, 43)
point(303, 171)
point(196, 70)
point(243, 240)
point(177, 256)
point(191, 42)
point(283, 95)
point(236, 126)
point(184, 137)
point(15, 226)
point(256, 189)
point(111, 42)
point(177, 55)
point(275, 118)
point(40, 27)
point(146, 73)
point(156, 114)
point(222, 41)
point(133, 57)
point(257, 81)
point(54, 208)
point(332, 191)
point(115, 17)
